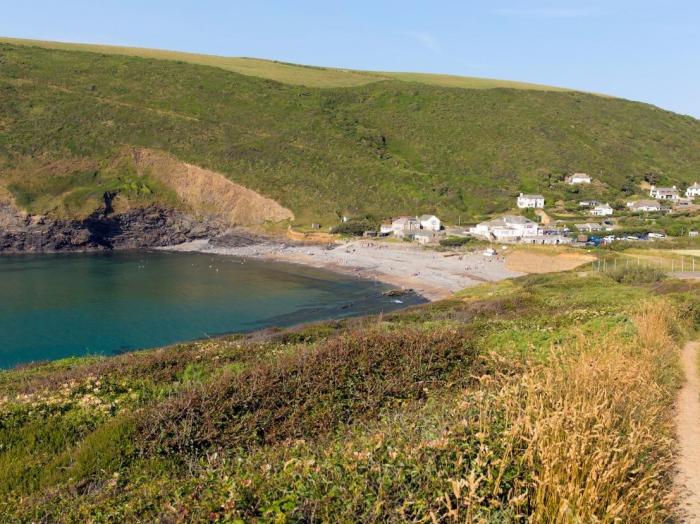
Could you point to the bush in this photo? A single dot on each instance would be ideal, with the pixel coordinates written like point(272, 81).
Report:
point(310, 392)
point(637, 275)
point(456, 241)
point(355, 227)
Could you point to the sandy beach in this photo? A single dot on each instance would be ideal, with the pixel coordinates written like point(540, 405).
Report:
point(432, 274)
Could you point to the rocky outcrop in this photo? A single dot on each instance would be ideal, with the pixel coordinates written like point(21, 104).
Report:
point(135, 228)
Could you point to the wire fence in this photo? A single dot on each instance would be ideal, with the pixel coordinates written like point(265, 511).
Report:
point(681, 264)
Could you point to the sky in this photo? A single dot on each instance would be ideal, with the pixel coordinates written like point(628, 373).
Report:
point(647, 50)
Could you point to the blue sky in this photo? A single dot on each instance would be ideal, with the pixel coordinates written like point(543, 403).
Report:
point(646, 50)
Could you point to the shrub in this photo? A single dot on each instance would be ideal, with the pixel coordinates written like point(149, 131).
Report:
point(355, 227)
point(456, 241)
point(637, 275)
point(311, 391)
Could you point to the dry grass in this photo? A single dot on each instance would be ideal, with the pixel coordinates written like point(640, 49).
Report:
point(591, 436)
point(545, 260)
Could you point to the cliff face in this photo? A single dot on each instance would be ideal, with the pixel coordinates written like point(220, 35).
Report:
point(210, 192)
point(136, 228)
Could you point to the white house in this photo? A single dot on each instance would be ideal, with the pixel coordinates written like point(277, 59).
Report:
point(386, 229)
point(430, 222)
point(588, 203)
point(578, 178)
point(602, 210)
point(530, 201)
point(508, 227)
point(424, 236)
point(664, 193)
point(644, 206)
point(693, 191)
point(403, 225)
point(589, 227)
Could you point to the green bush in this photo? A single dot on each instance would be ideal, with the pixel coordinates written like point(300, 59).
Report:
point(456, 241)
point(355, 227)
point(637, 275)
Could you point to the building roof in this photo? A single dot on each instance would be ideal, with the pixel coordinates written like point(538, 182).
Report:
point(427, 217)
point(524, 195)
point(673, 189)
point(405, 219)
point(644, 203)
point(603, 206)
point(508, 220)
point(696, 185)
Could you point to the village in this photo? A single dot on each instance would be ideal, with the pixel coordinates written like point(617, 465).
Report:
point(539, 228)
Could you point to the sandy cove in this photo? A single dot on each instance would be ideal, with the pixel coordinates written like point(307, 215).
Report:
point(430, 273)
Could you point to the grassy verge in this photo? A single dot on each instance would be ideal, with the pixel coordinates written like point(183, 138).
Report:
point(548, 398)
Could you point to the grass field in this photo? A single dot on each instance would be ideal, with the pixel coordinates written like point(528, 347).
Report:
point(69, 121)
point(471, 409)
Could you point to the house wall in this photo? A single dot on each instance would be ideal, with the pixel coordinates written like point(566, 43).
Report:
point(530, 203)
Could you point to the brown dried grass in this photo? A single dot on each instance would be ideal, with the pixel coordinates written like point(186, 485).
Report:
point(587, 440)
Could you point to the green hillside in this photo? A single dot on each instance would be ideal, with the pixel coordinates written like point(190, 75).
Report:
point(311, 76)
point(68, 119)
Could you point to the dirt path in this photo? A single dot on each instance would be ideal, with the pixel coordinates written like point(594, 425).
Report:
point(688, 427)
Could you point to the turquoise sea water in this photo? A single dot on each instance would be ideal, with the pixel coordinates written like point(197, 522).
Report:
point(54, 306)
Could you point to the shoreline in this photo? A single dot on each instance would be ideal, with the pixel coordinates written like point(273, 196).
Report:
point(431, 274)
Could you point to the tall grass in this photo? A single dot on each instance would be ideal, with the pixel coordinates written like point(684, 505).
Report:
point(586, 440)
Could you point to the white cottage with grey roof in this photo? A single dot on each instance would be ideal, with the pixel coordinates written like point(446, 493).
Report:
point(526, 201)
point(507, 227)
point(664, 193)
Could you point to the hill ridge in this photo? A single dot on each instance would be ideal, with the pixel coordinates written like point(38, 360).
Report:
point(288, 72)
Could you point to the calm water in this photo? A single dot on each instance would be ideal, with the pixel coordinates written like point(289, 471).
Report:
point(56, 306)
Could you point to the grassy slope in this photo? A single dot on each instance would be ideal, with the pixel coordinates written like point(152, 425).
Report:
point(385, 147)
point(294, 74)
point(456, 406)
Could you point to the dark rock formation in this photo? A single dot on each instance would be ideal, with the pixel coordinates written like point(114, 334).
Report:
point(136, 228)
